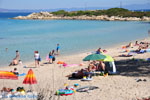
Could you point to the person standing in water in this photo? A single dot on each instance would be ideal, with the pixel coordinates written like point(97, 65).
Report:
point(50, 57)
point(58, 49)
point(37, 58)
point(53, 54)
point(6, 49)
point(17, 55)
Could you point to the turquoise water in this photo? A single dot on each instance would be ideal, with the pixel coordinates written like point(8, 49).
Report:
point(74, 36)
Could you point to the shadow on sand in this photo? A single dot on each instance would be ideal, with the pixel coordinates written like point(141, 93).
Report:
point(30, 67)
point(134, 68)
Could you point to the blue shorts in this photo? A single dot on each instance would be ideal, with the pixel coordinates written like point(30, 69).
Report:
point(50, 57)
point(58, 48)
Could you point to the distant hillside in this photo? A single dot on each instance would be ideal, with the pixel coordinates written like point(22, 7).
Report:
point(22, 10)
point(51, 10)
point(136, 7)
point(121, 12)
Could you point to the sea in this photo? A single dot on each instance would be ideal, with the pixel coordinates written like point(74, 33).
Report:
point(74, 36)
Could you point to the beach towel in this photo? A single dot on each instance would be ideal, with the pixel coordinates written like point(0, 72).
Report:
point(86, 79)
point(70, 65)
point(147, 50)
point(86, 88)
point(60, 62)
point(23, 74)
point(148, 59)
point(142, 51)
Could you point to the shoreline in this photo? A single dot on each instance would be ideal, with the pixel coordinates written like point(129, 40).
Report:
point(114, 46)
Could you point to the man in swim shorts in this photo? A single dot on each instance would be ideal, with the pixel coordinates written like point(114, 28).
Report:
point(57, 49)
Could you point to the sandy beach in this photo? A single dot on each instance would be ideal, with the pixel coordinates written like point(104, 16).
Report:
point(124, 86)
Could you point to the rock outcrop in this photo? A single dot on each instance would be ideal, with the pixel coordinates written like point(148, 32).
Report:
point(49, 16)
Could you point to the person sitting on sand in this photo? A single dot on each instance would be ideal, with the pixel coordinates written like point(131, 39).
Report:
point(92, 66)
point(88, 71)
point(130, 45)
point(101, 66)
point(15, 60)
point(144, 46)
point(136, 43)
point(7, 92)
point(4, 89)
point(144, 43)
point(95, 65)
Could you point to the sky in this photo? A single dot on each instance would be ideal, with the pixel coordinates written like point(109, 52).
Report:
point(54, 4)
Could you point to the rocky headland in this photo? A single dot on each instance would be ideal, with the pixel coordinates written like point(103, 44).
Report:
point(50, 16)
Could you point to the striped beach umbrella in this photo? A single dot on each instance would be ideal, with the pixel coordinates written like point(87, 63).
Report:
point(30, 78)
point(8, 75)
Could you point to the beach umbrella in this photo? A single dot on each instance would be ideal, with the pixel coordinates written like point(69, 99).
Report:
point(111, 62)
point(8, 75)
point(94, 57)
point(107, 59)
point(30, 78)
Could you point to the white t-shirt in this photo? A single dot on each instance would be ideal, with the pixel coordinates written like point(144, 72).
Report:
point(37, 56)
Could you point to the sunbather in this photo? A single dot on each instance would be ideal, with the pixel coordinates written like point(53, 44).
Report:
point(15, 71)
point(127, 55)
point(130, 45)
point(99, 51)
point(136, 43)
point(14, 62)
point(78, 74)
point(144, 43)
point(6, 91)
point(143, 46)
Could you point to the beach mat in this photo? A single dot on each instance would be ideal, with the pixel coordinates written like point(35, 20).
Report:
point(23, 74)
point(86, 88)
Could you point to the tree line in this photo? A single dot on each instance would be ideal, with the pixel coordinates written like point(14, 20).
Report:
point(121, 12)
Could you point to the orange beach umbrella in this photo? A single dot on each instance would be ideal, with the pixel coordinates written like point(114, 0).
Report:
point(30, 78)
point(8, 75)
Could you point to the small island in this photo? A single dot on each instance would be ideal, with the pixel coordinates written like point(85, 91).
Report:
point(112, 14)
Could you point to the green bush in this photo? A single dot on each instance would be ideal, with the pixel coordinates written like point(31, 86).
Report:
point(110, 12)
